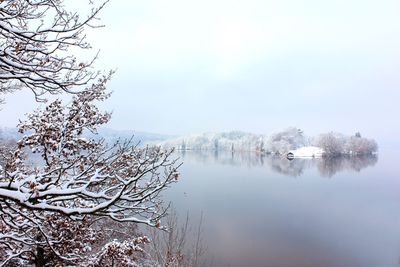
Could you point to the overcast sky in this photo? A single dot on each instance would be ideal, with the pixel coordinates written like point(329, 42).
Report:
point(257, 65)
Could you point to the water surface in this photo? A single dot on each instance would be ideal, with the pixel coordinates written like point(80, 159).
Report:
point(268, 211)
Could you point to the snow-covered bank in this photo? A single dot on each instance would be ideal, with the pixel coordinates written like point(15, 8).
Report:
point(306, 152)
point(291, 140)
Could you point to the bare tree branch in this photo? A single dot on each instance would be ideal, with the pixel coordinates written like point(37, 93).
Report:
point(35, 37)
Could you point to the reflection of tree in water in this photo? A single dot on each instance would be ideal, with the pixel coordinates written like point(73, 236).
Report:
point(331, 165)
point(288, 167)
point(326, 167)
point(223, 157)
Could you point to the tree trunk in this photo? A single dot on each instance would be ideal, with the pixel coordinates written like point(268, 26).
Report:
point(39, 261)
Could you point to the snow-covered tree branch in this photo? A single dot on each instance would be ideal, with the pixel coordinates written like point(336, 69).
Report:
point(35, 40)
point(76, 182)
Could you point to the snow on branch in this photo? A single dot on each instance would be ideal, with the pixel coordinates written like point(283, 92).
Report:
point(35, 36)
point(76, 182)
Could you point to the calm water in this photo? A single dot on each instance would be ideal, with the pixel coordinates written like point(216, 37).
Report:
point(274, 212)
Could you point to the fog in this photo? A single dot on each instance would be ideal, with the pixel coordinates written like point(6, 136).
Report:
point(257, 66)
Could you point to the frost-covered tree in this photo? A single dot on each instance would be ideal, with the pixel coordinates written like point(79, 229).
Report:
point(36, 38)
point(282, 142)
point(50, 212)
point(338, 144)
point(331, 143)
point(360, 146)
point(224, 141)
point(260, 145)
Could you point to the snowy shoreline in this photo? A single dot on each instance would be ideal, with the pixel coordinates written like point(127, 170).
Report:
point(290, 141)
point(306, 152)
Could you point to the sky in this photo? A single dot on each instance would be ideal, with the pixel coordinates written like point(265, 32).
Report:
point(259, 66)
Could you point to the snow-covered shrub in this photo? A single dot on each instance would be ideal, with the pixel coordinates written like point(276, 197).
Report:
point(124, 254)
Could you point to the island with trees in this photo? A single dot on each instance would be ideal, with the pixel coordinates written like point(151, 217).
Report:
point(291, 140)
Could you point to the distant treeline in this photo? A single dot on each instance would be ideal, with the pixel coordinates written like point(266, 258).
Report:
point(277, 143)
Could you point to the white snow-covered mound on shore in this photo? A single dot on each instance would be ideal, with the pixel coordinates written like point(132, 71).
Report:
point(307, 152)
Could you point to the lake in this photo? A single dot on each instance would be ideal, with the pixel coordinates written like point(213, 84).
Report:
point(268, 211)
